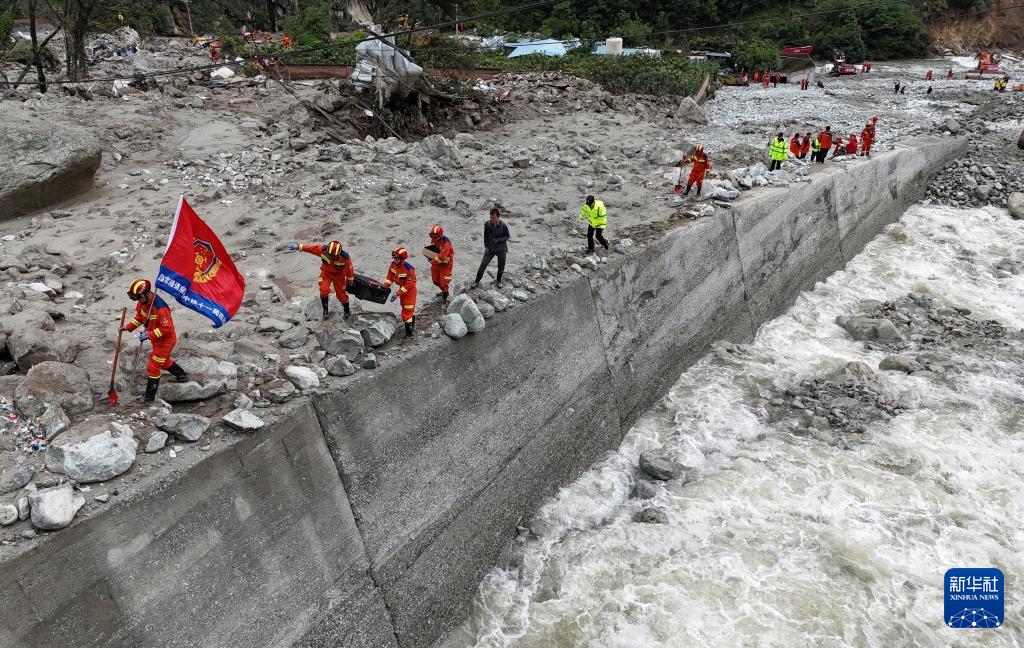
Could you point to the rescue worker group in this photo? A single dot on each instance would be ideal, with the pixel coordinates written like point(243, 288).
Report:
point(337, 273)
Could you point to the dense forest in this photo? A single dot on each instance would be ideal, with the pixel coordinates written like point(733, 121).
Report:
point(752, 30)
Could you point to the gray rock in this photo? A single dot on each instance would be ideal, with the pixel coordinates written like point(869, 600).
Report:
point(278, 391)
point(520, 295)
point(192, 390)
point(207, 366)
point(29, 534)
point(340, 366)
point(643, 489)
point(29, 347)
point(187, 427)
point(870, 328)
point(342, 342)
point(39, 171)
point(983, 191)
point(860, 369)
point(376, 330)
point(497, 301)
point(900, 363)
point(243, 420)
point(53, 421)
point(8, 514)
point(1015, 203)
point(54, 508)
point(453, 326)
point(651, 515)
point(486, 310)
point(302, 377)
point(442, 150)
point(270, 325)
point(24, 508)
point(293, 338)
point(98, 457)
point(15, 478)
point(690, 112)
point(659, 467)
point(369, 361)
point(157, 441)
point(466, 308)
point(298, 144)
point(54, 384)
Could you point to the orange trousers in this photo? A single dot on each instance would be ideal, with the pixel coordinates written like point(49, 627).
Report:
point(159, 357)
point(337, 281)
point(441, 274)
point(408, 301)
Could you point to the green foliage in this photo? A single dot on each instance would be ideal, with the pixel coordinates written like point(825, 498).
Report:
point(313, 24)
point(6, 27)
point(755, 54)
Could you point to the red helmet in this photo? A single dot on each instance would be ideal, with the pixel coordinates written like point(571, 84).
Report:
point(333, 249)
point(139, 288)
point(436, 231)
point(699, 149)
point(400, 253)
point(874, 119)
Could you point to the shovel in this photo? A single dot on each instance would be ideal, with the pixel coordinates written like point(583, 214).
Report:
point(112, 394)
point(679, 183)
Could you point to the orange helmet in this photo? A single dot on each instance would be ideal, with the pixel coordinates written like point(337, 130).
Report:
point(400, 253)
point(139, 288)
point(333, 249)
point(436, 231)
point(874, 119)
point(699, 149)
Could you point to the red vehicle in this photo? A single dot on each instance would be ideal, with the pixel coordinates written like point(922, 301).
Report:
point(804, 50)
point(845, 69)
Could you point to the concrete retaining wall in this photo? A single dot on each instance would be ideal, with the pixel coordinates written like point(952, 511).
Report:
point(370, 517)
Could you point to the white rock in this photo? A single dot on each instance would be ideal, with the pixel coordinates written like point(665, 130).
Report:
point(454, 326)
point(466, 308)
point(302, 377)
point(243, 420)
point(98, 458)
point(520, 295)
point(24, 508)
point(54, 508)
point(8, 514)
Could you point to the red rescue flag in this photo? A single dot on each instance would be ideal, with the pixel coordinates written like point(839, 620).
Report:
point(197, 270)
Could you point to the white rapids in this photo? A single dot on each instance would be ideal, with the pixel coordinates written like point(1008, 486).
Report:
point(785, 540)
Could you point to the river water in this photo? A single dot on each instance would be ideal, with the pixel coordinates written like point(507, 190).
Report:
point(788, 539)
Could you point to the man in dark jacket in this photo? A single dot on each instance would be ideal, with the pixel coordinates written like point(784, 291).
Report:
point(496, 238)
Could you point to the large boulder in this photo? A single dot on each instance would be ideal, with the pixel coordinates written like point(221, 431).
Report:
point(54, 508)
point(466, 308)
point(870, 328)
point(54, 384)
point(41, 170)
point(89, 456)
point(175, 392)
point(376, 328)
point(442, 150)
point(341, 342)
point(302, 377)
point(1015, 203)
point(453, 326)
point(690, 112)
point(30, 346)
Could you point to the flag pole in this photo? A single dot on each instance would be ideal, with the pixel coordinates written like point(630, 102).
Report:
point(145, 325)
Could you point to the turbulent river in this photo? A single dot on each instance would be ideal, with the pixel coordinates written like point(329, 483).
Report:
point(784, 538)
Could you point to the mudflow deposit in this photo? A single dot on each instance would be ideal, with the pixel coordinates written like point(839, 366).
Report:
point(264, 168)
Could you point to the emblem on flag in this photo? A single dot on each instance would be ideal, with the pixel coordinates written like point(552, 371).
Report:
point(198, 271)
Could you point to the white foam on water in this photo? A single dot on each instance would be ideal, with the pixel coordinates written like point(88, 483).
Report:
point(786, 540)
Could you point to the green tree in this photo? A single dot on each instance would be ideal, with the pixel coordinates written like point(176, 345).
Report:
point(561, 21)
point(313, 24)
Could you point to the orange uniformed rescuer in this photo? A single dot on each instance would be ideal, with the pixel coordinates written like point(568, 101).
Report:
point(701, 165)
point(402, 274)
point(442, 265)
point(336, 269)
point(159, 330)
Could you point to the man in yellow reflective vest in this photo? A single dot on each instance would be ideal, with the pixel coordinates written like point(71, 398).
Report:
point(815, 150)
point(778, 152)
point(597, 219)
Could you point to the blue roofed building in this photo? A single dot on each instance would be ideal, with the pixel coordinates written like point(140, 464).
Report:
point(547, 47)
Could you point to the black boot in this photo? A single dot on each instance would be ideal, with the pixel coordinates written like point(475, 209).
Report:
point(408, 330)
point(151, 385)
point(345, 306)
point(324, 302)
point(178, 373)
point(687, 192)
point(444, 295)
